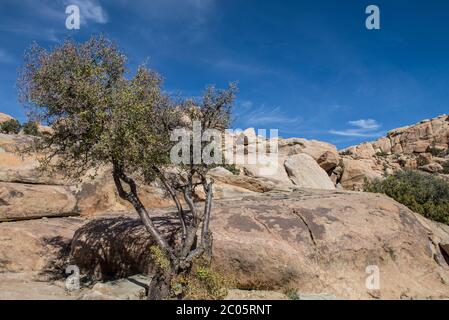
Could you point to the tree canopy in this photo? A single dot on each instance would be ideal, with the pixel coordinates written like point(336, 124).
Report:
point(101, 115)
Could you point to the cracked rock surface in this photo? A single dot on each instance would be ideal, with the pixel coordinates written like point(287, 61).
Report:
point(313, 241)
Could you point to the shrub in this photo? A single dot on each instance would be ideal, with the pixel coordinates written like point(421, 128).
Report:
point(346, 153)
point(423, 193)
point(292, 294)
point(438, 152)
point(201, 283)
point(232, 168)
point(10, 127)
point(31, 128)
point(446, 167)
point(382, 154)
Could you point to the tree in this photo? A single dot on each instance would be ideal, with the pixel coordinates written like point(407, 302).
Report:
point(10, 127)
point(100, 117)
point(31, 128)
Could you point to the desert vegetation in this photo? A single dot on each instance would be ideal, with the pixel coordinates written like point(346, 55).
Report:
point(423, 193)
point(13, 126)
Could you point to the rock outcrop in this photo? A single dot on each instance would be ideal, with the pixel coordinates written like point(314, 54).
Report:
point(305, 172)
point(412, 139)
point(423, 146)
point(317, 241)
point(273, 229)
point(16, 166)
point(98, 195)
point(24, 202)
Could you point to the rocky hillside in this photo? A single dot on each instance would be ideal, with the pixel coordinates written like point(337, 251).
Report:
point(423, 146)
point(291, 227)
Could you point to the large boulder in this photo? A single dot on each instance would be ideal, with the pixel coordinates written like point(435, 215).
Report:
point(23, 168)
point(324, 153)
point(245, 182)
point(313, 148)
point(45, 130)
point(362, 151)
point(356, 171)
point(383, 145)
point(305, 172)
point(97, 195)
point(38, 246)
point(23, 201)
point(316, 241)
point(328, 161)
point(269, 169)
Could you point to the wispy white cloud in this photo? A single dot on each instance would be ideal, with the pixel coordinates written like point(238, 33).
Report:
point(264, 115)
point(5, 57)
point(367, 128)
point(246, 104)
point(365, 124)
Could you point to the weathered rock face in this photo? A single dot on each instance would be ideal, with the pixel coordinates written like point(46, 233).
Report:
point(45, 130)
point(305, 172)
point(15, 167)
point(272, 168)
point(99, 195)
point(431, 168)
point(404, 148)
point(363, 151)
point(418, 138)
point(328, 161)
point(318, 241)
point(356, 171)
point(408, 140)
point(313, 148)
point(23, 202)
point(36, 245)
point(244, 182)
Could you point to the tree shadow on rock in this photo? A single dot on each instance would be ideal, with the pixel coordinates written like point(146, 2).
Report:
point(112, 248)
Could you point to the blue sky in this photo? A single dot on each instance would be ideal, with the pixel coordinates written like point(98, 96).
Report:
point(308, 68)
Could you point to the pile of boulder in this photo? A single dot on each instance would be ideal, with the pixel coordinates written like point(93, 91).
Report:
point(284, 224)
point(27, 192)
point(299, 163)
point(423, 146)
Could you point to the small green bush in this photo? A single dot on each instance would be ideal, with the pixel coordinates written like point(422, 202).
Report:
point(382, 154)
point(31, 128)
point(346, 153)
point(202, 283)
point(446, 167)
point(232, 168)
point(437, 152)
point(10, 127)
point(292, 294)
point(423, 193)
